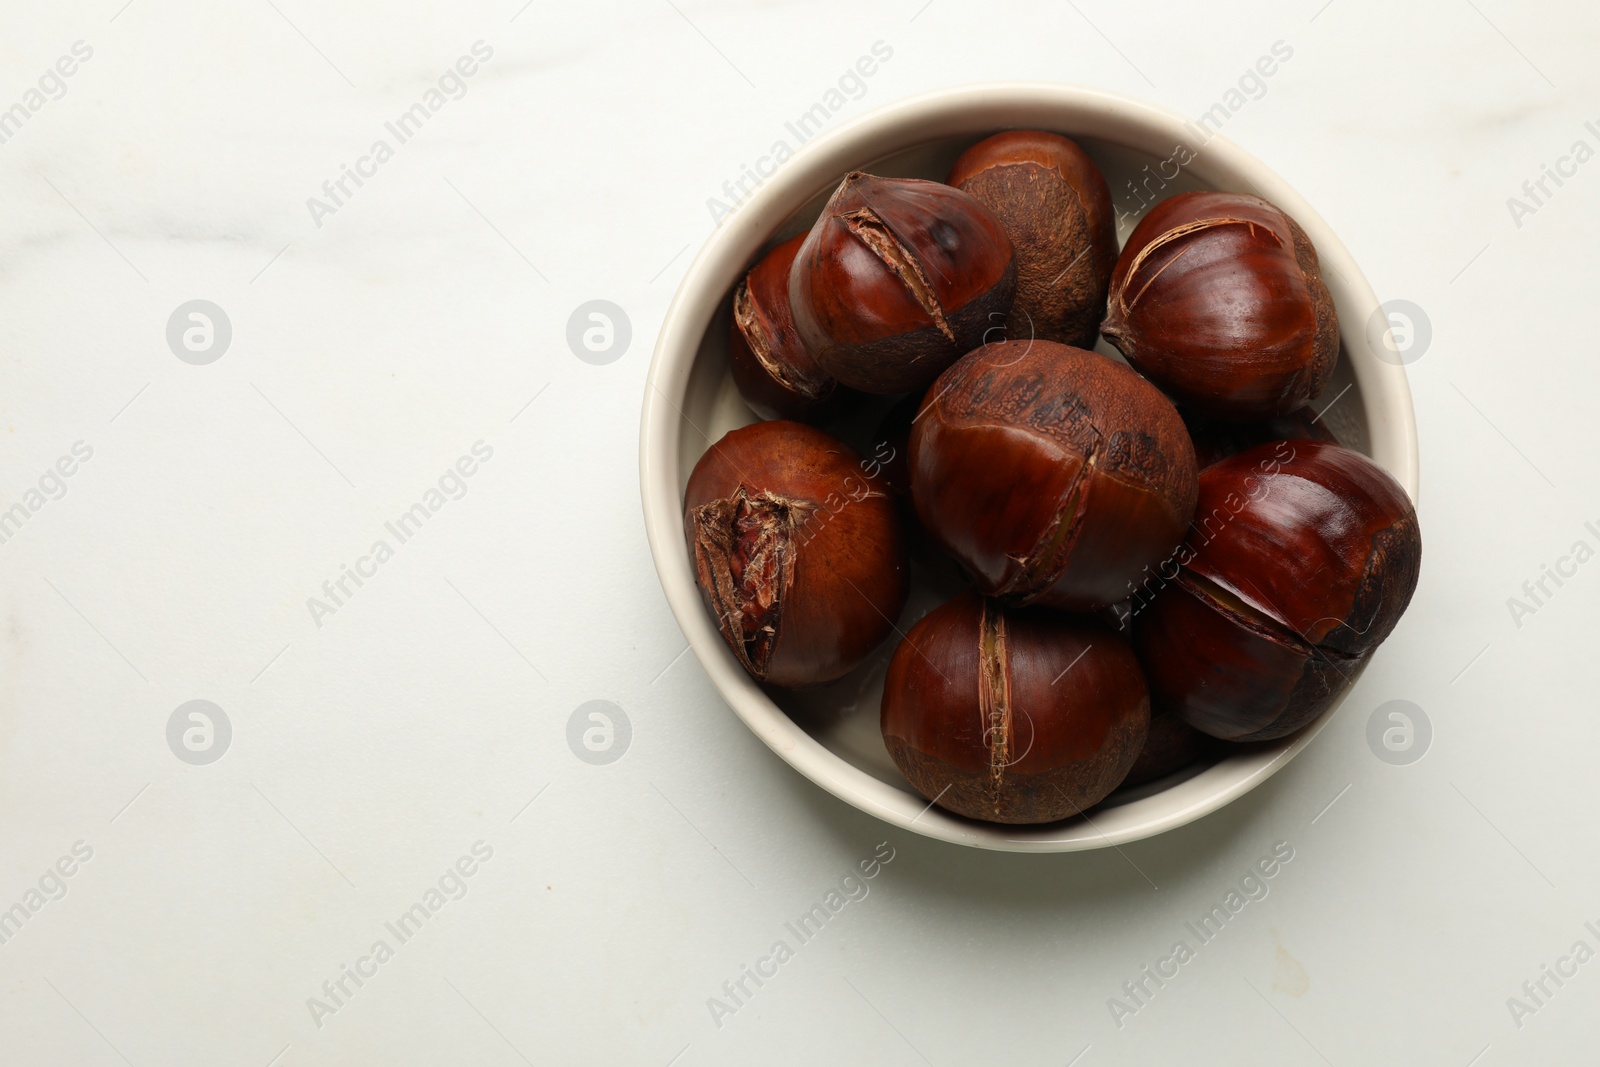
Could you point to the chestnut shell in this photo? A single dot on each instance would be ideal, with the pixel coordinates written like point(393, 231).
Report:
point(1054, 475)
point(770, 365)
point(798, 549)
point(1056, 207)
point(1302, 557)
point(898, 278)
point(1012, 716)
point(1218, 298)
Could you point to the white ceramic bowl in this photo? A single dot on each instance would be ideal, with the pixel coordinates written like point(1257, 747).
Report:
point(831, 735)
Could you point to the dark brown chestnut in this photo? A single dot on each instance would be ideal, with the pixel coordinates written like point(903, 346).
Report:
point(1218, 298)
point(1217, 439)
point(1302, 557)
point(1052, 474)
point(1012, 716)
point(1056, 207)
point(898, 278)
point(798, 551)
point(770, 365)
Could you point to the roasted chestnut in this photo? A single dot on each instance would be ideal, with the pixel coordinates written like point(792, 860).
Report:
point(1302, 557)
point(798, 551)
point(770, 365)
point(898, 278)
point(1216, 439)
point(1056, 207)
point(1013, 716)
point(1052, 474)
point(1218, 298)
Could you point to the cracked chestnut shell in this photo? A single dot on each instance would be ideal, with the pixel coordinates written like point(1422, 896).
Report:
point(1302, 557)
point(1052, 474)
point(1218, 298)
point(1056, 207)
point(798, 551)
point(898, 278)
point(1013, 716)
point(770, 365)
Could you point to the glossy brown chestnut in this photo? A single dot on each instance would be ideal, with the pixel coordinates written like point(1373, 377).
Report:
point(1302, 557)
point(1216, 439)
point(774, 372)
point(1171, 745)
point(1218, 298)
point(798, 551)
point(898, 278)
point(1013, 716)
point(1056, 207)
point(1052, 474)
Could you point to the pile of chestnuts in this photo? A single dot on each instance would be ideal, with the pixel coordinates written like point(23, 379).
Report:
point(1155, 556)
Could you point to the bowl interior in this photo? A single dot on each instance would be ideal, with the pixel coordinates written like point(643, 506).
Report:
point(831, 733)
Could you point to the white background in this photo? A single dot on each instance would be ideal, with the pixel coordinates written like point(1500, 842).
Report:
point(371, 752)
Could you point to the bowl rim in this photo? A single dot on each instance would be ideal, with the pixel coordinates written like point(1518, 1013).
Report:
point(893, 127)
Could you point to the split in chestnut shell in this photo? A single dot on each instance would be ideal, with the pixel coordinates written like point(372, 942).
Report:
point(1054, 475)
point(775, 374)
point(1013, 716)
point(897, 279)
point(1218, 298)
point(798, 550)
point(1302, 557)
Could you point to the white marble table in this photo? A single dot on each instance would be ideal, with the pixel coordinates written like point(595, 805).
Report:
point(396, 767)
